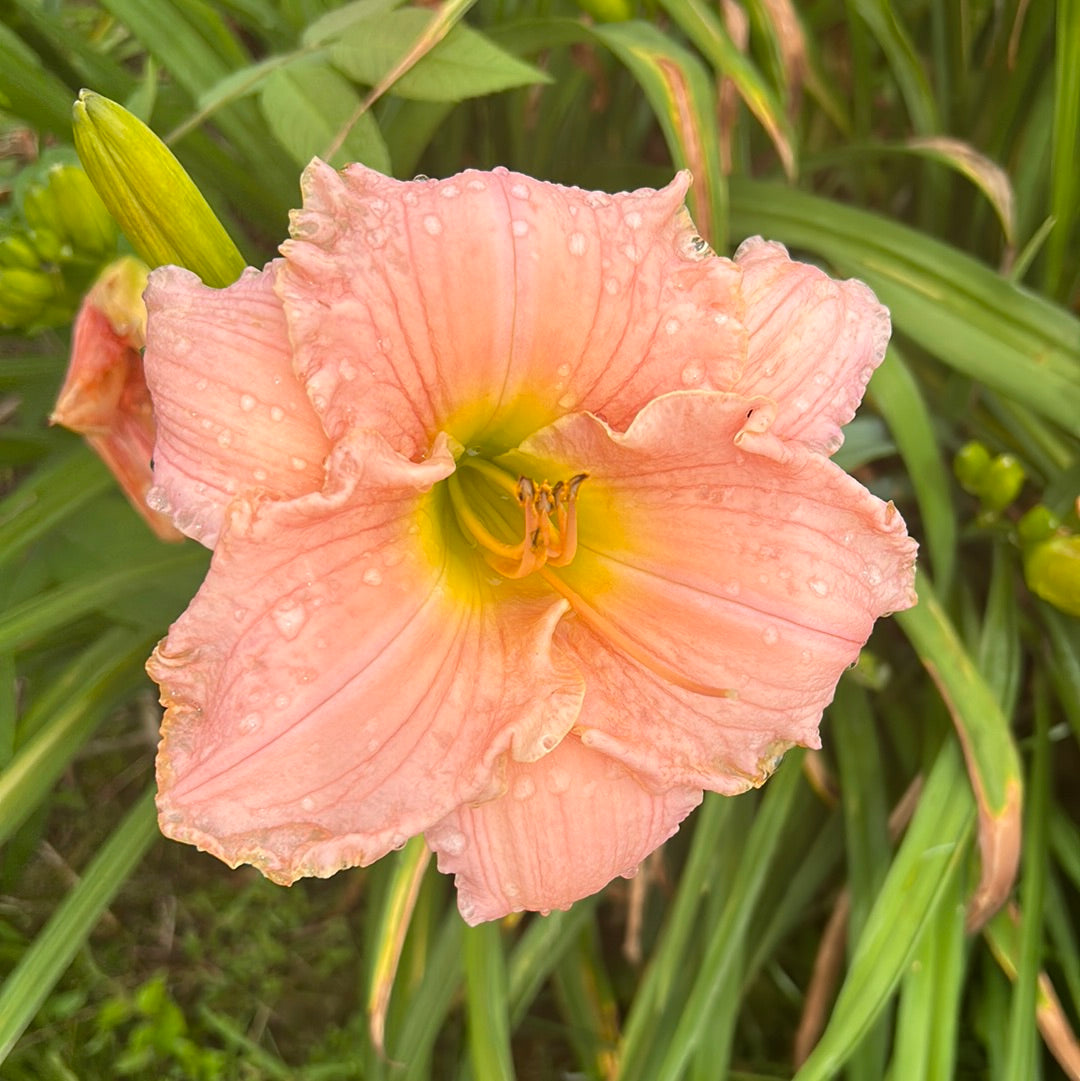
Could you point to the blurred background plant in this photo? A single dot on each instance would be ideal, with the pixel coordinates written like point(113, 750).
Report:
point(862, 916)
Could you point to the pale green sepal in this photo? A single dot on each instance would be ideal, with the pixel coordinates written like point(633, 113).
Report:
point(150, 195)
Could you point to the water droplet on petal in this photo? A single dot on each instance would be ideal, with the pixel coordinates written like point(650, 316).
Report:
point(630, 872)
point(872, 574)
point(523, 788)
point(281, 701)
point(448, 191)
point(206, 424)
point(372, 576)
point(453, 842)
point(259, 475)
point(612, 286)
point(307, 803)
point(578, 243)
point(250, 723)
point(398, 841)
point(476, 185)
point(156, 499)
point(432, 225)
point(821, 379)
point(247, 402)
point(224, 438)
point(732, 587)
point(558, 780)
point(563, 370)
point(277, 413)
point(820, 587)
point(518, 227)
point(289, 617)
point(298, 463)
point(693, 373)
point(519, 191)
point(633, 220)
point(672, 326)
point(770, 636)
point(201, 384)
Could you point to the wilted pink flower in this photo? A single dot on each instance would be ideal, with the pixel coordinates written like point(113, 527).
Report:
point(525, 530)
point(104, 396)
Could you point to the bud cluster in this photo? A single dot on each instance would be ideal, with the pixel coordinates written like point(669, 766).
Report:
point(52, 246)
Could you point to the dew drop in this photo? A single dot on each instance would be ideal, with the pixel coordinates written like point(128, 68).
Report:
point(563, 370)
point(630, 872)
point(693, 373)
point(732, 587)
point(577, 243)
point(801, 405)
point(432, 225)
point(558, 781)
point(453, 842)
point(307, 803)
point(672, 326)
point(289, 618)
point(348, 370)
point(612, 286)
point(298, 463)
point(523, 788)
point(156, 499)
point(476, 185)
point(409, 198)
point(247, 402)
point(519, 191)
point(518, 227)
point(277, 413)
point(224, 438)
point(633, 220)
point(398, 841)
point(206, 424)
point(872, 574)
point(821, 379)
point(259, 475)
point(770, 636)
point(448, 191)
point(281, 701)
point(567, 401)
point(250, 723)
point(201, 384)
point(821, 588)
point(239, 614)
point(372, 576)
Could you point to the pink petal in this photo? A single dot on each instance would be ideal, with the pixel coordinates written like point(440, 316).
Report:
point(488, 304)
point(231, 416)
point(814, 343)
point(104, 396)
point(722, 559)
point(337, 685)
point(565, 827)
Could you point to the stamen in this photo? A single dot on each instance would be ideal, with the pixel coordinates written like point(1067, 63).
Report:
point(544, 540)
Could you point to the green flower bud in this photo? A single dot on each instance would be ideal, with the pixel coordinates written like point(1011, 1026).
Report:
point(1039, 524)
point(86, 221)
point(17, 251)
point(40, 210)
point(1052, 571)
point(970, 465)
point(1001, 483)
point(49, 245)
point(23, 295)
point(148, 192)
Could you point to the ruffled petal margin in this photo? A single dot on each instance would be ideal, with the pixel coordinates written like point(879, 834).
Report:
point(231, 416)
point(317, 685)
point(814, 343)
point(726, 563)
point(565, 827)
point(488, 304)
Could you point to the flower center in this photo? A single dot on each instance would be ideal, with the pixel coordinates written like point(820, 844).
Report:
point(484, 498)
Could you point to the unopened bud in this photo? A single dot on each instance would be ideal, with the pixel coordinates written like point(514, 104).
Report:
point(1052, 571)
point(148, 192)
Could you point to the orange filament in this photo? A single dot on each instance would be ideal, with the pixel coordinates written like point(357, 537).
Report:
point(544, 541)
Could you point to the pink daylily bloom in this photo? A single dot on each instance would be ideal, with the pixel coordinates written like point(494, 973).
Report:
point(104, 396)
point(525, 530)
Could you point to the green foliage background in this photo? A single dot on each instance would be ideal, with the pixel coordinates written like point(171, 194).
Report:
point(930, 149)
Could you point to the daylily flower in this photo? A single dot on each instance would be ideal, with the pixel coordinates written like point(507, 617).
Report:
point(104, 396)
point(525, 530)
